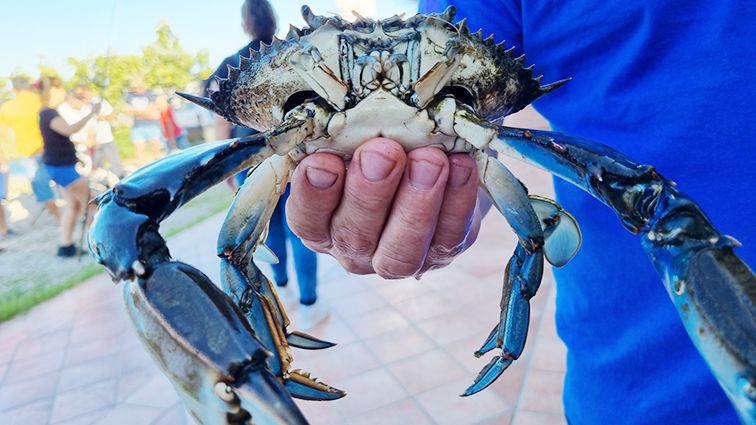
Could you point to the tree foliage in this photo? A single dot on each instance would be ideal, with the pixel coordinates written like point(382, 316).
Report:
point(163, 63)
point(5, 93)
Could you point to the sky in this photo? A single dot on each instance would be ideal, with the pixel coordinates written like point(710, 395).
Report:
point(50, 31)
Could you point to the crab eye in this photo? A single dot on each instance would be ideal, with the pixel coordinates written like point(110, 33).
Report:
point(460, 93)
point(297, 99)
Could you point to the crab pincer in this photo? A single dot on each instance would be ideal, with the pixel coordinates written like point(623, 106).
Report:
point(201, 340)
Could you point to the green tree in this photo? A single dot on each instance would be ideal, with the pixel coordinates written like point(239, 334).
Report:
point(169, 65)
point(5, 93)
point(163, 63)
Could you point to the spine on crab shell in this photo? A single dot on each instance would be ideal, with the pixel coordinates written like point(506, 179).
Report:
point(294, 33)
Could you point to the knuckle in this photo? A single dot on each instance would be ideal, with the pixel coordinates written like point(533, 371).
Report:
point(393, 266)
point(308, 232)
point(321, 247)
point(414, 213)
point(354, 266)
point(367, 202)
point(350, 242)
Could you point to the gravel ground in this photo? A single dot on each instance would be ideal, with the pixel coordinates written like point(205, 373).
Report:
point(28, 261)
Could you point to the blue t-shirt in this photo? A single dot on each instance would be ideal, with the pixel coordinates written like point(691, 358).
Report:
point(673, 85)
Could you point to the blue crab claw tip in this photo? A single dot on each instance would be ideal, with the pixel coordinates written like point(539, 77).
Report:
point(301, 386)
point(490, 343)
point(266, 400)
point(307, 342)
point(488, 375)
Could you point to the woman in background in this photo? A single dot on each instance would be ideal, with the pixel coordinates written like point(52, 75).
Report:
point(59, 158)
point(259, 22)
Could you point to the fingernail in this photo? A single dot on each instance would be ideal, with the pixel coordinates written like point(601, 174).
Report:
point(375, 166)
point(320, 178)
point(459, 175)
point(423, 174)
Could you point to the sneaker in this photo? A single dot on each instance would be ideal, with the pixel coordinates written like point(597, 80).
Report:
point(309, 316)
point(67, 251)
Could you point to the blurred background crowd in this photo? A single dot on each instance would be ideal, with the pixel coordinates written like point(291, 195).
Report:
point(82, 106)
point(139, 118)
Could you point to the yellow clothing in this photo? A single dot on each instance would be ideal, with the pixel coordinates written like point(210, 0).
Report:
point(21, 114)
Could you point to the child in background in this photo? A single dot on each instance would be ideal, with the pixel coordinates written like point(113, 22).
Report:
point(175, 136)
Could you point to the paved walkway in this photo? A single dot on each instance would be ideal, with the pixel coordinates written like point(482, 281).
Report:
point(404, 354)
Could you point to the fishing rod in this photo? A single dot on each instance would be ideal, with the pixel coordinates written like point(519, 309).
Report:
point(100, 85)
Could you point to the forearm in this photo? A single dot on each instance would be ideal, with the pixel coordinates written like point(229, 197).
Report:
point(75, 127)
point(60, 126)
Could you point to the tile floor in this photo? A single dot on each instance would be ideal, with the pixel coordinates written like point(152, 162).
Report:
point(404, 354)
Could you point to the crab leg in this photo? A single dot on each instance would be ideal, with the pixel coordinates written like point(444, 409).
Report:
point(524, 270)
point(252, 290)
point(713, 290)
point(124, 236)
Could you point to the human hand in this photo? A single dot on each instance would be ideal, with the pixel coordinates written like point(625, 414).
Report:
point(389, 213)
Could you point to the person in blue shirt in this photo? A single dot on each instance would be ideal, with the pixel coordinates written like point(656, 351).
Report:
point(668, 84)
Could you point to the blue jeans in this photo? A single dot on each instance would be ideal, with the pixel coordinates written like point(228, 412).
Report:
point(305, 261)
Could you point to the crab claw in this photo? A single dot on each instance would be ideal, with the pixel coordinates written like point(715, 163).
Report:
point(489, 374)
point(490, 342)
point(118, 251)
point(203, 343)
point(302, 386)
point(263, 398)
point(306, 341)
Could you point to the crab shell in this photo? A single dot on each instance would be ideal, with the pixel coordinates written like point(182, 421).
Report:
point(342, 62)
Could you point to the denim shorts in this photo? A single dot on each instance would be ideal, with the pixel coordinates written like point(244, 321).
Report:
point(32, 169)
point(141, 133)
point(62, 175)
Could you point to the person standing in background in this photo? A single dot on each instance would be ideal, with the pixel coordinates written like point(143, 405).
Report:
point(20, 115)
point(105, 148)
point(140, 104)
point(175, 136)
point(259, 22)
point(60, 159)
point(73, 110)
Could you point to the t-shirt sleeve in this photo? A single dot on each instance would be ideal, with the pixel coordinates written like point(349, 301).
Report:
point(46, 116)
point(106, 108)
point(502, 18)
point(66, 113)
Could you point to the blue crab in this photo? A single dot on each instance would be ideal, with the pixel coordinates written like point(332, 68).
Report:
point(423, 81)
